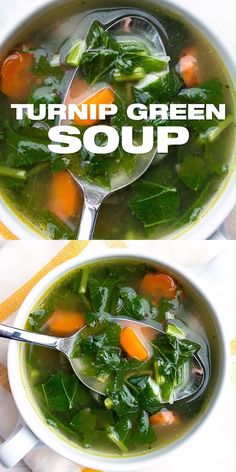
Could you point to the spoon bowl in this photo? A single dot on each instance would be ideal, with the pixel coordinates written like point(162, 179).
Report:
point(146, 30)
point(196, 375)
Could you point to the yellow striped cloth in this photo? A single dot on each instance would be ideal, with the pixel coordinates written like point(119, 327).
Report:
point(12, 303)
point(8, 307)
point(5, 233)
point(33, 259)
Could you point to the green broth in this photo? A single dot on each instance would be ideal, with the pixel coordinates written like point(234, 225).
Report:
point(97, 290)
point(121, 215)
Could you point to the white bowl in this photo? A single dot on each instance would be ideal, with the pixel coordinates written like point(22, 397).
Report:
point(30, 412)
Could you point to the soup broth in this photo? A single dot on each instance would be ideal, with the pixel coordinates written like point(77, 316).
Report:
point(174, 191)
point(137, 413)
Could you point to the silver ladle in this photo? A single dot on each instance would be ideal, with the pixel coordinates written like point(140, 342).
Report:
point(93, 193)
point(198, 369)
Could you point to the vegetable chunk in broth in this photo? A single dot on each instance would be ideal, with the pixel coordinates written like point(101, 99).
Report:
point(140, 372)
point(115, 68)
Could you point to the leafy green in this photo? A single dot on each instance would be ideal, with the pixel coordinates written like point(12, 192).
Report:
point(97, 64)
point(152, 63)
point(144, 433)
point(193, 211)
point(61, 392)
point(105, 54)
point(137, 73)
point(52, 226)
point(84, 421)
point(13, 173)
point(100, 168)
point(60, 424)
point(26, 152)
point(213, 132)
point(101, 54)
point(109, 357)
point(193, 172)
point(120, 433)
point(101, 293)
point(132, 47)
point(105, 334)
point(100, 352)
point(153, 203)
point(173, 350)
point(135, 306)
point(41, 66)
point(37, 318)
point(99, 38)
point(147, 392)
point(120, 399)
point(74, 55)
point(126, 63)
point(49, 93)
point(173, 330)
point(207, 92)
point(171, 354)
point(162, 90)
point(23, 151)
point(167, 308)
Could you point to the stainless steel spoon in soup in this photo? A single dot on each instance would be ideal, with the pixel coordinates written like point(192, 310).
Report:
point(195, 381)
point(144, 30)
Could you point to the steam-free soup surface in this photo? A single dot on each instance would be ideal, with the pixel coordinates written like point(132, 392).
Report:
point(140, 371)
point(172, 193)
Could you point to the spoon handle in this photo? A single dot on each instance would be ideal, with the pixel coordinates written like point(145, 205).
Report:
point(10, 332)
point(88, 221)
point(93, 198)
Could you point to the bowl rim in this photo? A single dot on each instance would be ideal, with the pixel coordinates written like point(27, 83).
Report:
point(33, 420)
point(219, 206)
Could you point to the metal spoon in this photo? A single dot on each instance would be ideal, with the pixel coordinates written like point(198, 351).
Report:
point(146, 30)
point(198, 369)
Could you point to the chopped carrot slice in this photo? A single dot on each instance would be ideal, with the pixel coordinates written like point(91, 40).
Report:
point(158, 285)
point(103, 97)
point(165, 418)
point(132, 344)
point(64, 322)
point(188, 64)
point(16, 75)
point(65, 198)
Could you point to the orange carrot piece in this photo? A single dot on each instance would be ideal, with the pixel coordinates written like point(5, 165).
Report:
point(65, 197)
point(165, 418)
point(64, 322)
point(158, 285)
point(188, 64)
point(16, 75)
point(102, 97)
point(132, 344)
